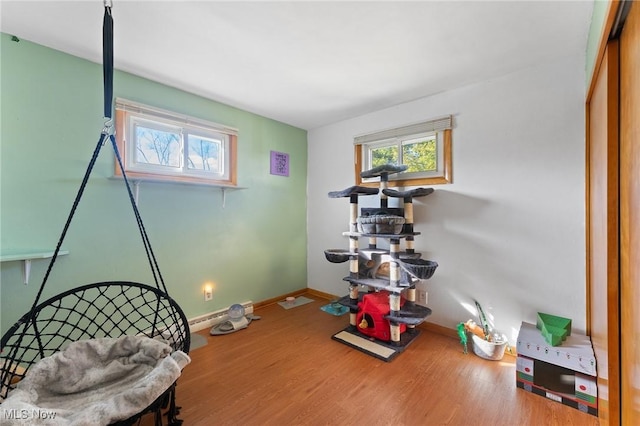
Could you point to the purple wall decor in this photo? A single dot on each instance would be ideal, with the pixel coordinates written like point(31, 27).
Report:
point(279, 163)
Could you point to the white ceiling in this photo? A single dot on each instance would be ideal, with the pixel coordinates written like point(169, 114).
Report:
point(309, 64)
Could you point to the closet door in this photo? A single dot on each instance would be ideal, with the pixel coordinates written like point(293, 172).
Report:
point(602, 232)
point(630, 216)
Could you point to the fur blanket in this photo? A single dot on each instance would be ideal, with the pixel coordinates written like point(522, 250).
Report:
point(94, 382)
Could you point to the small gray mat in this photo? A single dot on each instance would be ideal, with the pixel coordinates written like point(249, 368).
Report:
point(197, 341)
point(296, 302)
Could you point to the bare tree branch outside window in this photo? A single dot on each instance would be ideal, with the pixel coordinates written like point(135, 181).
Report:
point(204, 154)
point(157, 147)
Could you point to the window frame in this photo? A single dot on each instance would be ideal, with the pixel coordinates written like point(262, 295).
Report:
point(444, 173)
point(128, 114)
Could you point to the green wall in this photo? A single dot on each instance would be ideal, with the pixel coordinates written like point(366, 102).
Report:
point(51, 117)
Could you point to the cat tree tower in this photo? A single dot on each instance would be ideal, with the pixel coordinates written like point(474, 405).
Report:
point(382, 319)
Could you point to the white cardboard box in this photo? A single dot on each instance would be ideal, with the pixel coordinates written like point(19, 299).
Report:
point(582, 394)
point(575, 353)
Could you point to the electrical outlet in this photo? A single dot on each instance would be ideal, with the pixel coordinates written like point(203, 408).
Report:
point(208, 294)
point(423, 297)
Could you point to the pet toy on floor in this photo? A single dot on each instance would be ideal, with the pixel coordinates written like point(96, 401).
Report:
point(237, 321)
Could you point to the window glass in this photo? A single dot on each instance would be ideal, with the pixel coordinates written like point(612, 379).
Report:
point(205, 154)
point(157, 147)
point(384, 155)
point(420, 155)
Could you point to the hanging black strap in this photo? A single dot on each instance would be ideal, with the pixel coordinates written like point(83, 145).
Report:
point(107, 60)
point(107, 133)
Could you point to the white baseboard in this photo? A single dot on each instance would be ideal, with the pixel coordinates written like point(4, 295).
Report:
point(210, 319)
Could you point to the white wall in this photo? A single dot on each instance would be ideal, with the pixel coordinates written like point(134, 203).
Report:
point(509, 232)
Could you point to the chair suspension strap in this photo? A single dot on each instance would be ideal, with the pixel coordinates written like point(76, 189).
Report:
point(107, 66)
point(107, 133)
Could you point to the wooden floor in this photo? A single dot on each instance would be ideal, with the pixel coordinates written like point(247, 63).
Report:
point(286, 370)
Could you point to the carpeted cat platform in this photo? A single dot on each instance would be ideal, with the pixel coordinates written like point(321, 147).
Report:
point(376, 348)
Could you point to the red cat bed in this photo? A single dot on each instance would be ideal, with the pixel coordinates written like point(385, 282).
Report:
point(371, 312)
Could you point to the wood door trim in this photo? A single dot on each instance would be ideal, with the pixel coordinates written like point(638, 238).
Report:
point(610, 18)
point(602, 232)
point(630, 216)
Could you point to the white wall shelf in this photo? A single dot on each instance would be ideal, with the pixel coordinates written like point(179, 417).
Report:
point(136, 181)
point(26, 256)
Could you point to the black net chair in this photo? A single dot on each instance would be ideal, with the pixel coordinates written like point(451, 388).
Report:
point(105, 309)
point(101, 310)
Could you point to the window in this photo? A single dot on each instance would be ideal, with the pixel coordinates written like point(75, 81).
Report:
point(161, 145)
point(425, 148)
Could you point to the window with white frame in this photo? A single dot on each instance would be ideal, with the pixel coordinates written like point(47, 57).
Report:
point(425, 148)
point(162, 145)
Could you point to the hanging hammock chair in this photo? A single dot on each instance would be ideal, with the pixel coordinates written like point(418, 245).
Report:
point(107, 352)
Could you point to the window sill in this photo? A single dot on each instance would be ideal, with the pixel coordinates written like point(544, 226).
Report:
point(406, 183)
point(137, 180)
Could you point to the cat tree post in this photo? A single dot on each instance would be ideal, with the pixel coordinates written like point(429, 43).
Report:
point(394, 281)
point(353, 258)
